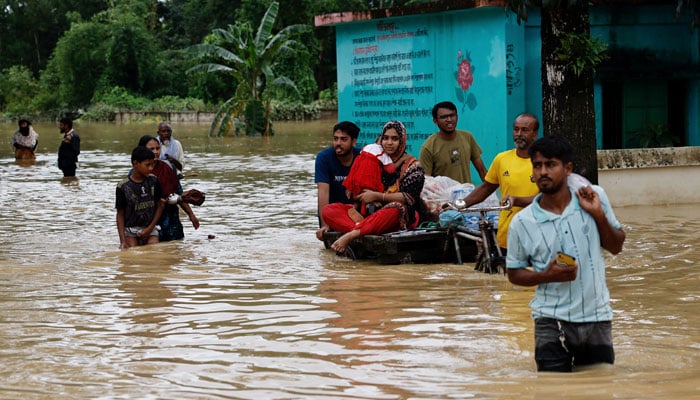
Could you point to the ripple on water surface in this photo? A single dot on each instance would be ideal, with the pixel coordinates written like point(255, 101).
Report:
point(263, 311)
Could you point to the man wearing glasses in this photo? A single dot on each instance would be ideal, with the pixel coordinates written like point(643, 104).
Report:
point(449, 151)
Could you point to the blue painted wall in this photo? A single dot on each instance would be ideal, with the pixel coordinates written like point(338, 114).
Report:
point(654, 29)
point(646, 28)
point(398, 68)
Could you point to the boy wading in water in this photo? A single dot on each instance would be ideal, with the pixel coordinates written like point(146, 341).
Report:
point(139, 202)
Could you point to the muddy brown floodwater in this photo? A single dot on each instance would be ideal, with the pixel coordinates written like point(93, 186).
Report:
point(262, 311)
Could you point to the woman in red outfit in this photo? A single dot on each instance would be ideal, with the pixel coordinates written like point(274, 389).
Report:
point(400, 200)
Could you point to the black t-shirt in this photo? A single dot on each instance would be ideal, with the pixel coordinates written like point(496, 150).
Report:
point(138, 200)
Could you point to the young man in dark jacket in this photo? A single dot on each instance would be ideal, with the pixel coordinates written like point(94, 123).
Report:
point(69, 149)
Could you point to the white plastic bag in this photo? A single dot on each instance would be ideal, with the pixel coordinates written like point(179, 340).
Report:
point(438, 190)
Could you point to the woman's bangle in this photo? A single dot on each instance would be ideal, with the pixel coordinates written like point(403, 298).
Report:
point(383, 197)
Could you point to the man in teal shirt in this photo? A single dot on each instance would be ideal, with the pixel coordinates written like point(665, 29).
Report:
point(571, 307)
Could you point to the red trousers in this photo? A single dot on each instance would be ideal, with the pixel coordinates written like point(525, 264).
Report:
point(382, 221)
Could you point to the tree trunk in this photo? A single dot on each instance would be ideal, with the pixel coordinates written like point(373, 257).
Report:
point(38, 51)
point(567, 99)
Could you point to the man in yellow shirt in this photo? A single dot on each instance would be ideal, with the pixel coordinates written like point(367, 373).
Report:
point(512, 171)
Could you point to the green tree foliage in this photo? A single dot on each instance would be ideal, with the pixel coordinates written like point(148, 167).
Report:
point(130, 54)
point(114, 48)
point(299, 66)
point(171, 79)
point(72, 74)
point(17, 88)
point(250, 58)
point(324, 48)
point(80, 50)
point(29, 30)
point(186, 22)
point(581, 52)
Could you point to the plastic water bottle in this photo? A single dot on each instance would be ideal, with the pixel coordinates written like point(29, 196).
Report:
point(458, 194)
point(458, 198)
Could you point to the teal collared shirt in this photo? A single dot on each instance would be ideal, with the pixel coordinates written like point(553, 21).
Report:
point(534, 238)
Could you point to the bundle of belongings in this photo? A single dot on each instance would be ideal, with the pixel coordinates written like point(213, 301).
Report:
point(438, 190)
point(193, 196)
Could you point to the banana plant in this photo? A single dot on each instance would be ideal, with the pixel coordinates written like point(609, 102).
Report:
point(250, 58)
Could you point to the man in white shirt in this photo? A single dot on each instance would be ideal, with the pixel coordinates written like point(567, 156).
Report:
point(170, 149)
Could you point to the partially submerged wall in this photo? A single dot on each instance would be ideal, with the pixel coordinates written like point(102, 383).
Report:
point(657, 176)
point(172, 117)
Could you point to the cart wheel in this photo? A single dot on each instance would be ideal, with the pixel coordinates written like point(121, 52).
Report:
point(480, 263)
point(497, 264)
point(349, 253)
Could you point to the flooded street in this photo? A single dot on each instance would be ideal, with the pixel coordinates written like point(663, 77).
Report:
point(263, 311)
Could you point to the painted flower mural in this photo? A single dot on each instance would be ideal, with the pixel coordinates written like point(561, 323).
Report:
point(465, 79)
point(464, 74)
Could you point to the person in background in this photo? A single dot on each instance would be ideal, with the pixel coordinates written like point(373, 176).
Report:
point(449, 151)
point(510, 170)
point(25, 140)
point(139, 202)
point(170, 226)
point(400, 199)
point(69, 149)
point(571, 307)
point(170, 149)
point(332, 166)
